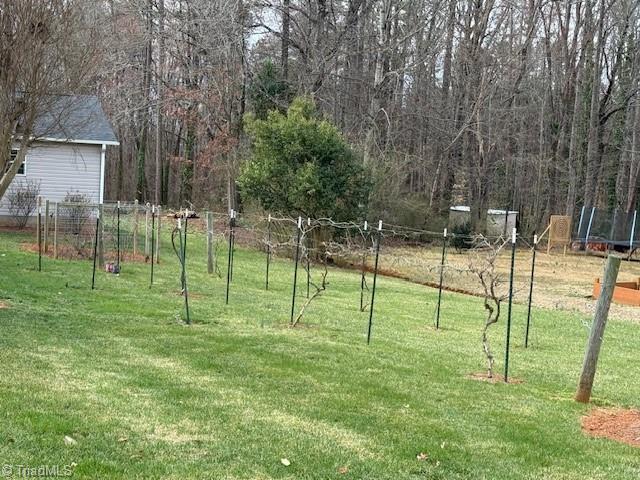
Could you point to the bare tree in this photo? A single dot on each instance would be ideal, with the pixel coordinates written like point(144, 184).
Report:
point(46, 48)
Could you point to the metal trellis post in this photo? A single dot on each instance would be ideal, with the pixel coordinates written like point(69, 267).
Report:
point(95, 251)
point(308, 260)
point(39, 237)
point(229, 255)
point(184, 268)
point(118, 237)
point(533, 268)
point(444, 251)
point(363, 267)
point(513, 260)
point(153, 230)
point(375, 277)
point(295, 269)
point(268, 252)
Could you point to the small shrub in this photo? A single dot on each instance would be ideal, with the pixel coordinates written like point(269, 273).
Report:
point(23, 201)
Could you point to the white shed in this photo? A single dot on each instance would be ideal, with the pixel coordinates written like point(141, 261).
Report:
point(496, 220)
point(69, 154)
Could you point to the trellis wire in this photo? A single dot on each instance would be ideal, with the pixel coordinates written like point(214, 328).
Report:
point(351, 242)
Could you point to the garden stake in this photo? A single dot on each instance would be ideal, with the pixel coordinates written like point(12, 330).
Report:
point(229, 256)
point(153, 231)
point(444, 251)
point(268, 252)
point(513, 259)
point(118, 238)
point(308, 264)
point(184, 268)
point(39, 238)
point(375, 276)
point(179, 251)
point(95, 252)
point(362, 270)
point(533, 267)
point(233, 240)
point(295, 271)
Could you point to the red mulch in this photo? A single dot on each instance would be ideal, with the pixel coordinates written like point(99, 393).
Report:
point(615, 424)
point(14, 229)
point(496, 378)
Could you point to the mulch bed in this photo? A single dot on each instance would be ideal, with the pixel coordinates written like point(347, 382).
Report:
point(615, 424)
point(496, 378)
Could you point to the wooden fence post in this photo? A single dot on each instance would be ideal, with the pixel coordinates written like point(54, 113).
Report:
point(46, 226)
point(55, 230)
point(209, 242)
point(597, 329)
point(135, 228)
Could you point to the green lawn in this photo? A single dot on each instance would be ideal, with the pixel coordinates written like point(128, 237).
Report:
point(146, 396)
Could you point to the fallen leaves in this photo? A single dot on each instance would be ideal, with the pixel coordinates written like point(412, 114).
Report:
point(421, 457)
point(69, 441)
point(343, 470)
point(285, 462)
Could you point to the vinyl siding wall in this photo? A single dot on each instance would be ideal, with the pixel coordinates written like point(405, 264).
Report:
point(61, 168)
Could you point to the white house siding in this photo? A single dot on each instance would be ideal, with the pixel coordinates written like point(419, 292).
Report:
point(61, 168)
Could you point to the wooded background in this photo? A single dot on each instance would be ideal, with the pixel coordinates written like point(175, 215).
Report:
point(530, 104)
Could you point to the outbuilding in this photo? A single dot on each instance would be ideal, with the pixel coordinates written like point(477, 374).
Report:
point(69, 152)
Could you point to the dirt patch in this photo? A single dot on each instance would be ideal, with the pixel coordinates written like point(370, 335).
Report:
point(615, 424)
point(496, 378)
point(192, 295)
point(3, 305)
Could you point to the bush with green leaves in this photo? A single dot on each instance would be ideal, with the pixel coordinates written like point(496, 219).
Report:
point(301, 165)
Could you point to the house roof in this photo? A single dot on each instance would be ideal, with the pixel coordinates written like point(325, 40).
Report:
point(493, 211)
point(74, 119)
point(460, 208)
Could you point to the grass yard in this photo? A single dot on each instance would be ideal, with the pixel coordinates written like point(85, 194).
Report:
point(145, 396)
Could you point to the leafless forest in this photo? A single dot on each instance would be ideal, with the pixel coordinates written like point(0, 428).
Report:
point(491, 103)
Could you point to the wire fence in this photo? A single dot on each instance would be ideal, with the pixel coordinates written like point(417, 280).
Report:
point(68, 230)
